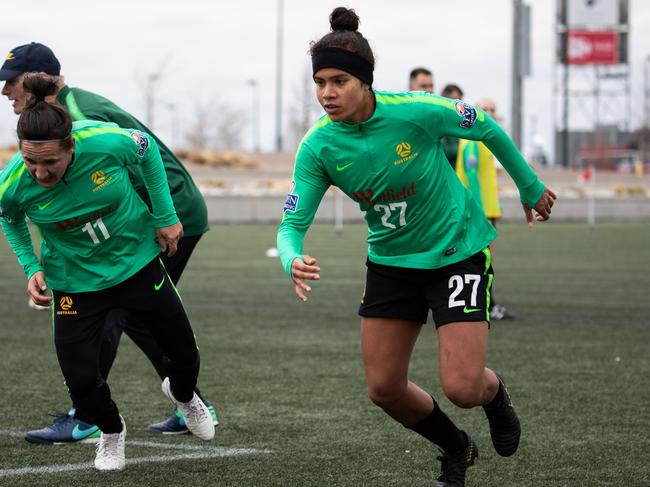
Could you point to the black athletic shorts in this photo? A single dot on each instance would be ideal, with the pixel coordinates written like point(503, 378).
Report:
point(457, 292)
point(149, 294)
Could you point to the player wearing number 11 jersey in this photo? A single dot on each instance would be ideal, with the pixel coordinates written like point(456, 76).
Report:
point(96, 230)
point(100, 250)
point(427, 238)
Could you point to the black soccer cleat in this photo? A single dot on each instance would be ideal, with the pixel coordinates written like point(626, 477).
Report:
point(505, 429)
point(454, 465)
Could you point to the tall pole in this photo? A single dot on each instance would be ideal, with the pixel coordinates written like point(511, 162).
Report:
point(566, 151)
point(173, 109)
point(599, 143)
point(278, 82)
point(150, 98)
point(562, 152)
point(516, 79)
point(520, 64)
point(646, 110)
point(256, 114)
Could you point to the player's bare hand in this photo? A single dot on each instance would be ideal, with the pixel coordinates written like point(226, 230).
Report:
point(168, 238)
point(36, 289)
point(301, 270)
point(542, 208)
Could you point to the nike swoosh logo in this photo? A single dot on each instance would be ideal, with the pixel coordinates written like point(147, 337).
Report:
point(466, 310)
point(42, 207)
point(344, 166)
point(158, 286)
point(80, 434)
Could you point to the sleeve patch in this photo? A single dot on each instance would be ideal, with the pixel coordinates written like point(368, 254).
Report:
point(472, 161)
point(291, 204)
point(142, 141)
point(467, 113)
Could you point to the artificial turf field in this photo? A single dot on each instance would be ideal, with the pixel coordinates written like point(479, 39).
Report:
point(287, 381)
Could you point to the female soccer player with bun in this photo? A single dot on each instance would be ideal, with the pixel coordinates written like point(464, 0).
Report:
point(99, 252)
point(428, 240)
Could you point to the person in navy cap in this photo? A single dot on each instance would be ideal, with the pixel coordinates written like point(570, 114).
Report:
point(188, 202)
point(32, 57)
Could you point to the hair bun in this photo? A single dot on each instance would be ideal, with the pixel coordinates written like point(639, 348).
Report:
point(343, 18)
point(39, 85)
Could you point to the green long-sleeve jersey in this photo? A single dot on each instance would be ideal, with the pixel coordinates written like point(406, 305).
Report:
point(97, 231)
point(418, 212)
point(188, 201)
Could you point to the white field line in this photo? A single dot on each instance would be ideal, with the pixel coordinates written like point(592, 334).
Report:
point(71, 467)
point(205, 452)
point(12, 433)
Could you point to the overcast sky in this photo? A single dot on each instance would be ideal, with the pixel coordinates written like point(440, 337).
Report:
point(208, 49)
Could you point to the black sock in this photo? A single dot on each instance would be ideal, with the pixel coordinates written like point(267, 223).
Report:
point(441, 431)
point(113, 425)
point(497, 402)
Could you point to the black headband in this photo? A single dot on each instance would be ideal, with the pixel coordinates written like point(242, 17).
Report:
point(350, 62)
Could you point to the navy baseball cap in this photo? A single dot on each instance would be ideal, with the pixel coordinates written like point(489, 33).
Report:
point(32, 57)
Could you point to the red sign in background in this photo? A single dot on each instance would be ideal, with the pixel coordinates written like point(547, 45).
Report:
point(586, 47)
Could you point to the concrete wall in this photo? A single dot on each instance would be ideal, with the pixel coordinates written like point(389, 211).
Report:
point(253, 209)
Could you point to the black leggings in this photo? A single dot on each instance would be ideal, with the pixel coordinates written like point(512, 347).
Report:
point(79, 334)
point(121, 320)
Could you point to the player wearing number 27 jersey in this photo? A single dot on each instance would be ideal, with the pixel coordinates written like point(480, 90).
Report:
point(419, 214)
point(93, 217)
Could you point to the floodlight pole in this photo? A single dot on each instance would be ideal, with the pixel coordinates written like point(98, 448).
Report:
point(150, 98)
point(646, 109)
point(278, 82)
point(520, 64)
point(173, 108)
point(256, 114)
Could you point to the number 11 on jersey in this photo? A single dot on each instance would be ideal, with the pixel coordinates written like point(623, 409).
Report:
point(88, 228)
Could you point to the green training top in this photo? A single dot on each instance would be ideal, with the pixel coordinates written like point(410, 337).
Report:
point(97, 231)
point(188, 201)
point(418, 212)
point(450, 147)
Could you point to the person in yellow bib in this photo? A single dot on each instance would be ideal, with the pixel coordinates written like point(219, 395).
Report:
point(475, 166)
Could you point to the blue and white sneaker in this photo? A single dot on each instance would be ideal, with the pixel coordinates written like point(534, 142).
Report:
point(175, 423)
point(65, 429)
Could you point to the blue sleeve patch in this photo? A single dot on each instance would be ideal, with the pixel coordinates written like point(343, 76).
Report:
point(466, 112)
point(142, 141)
point(292, 199)
point(472, 161)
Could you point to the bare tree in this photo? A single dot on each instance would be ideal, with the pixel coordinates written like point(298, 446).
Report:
point(216, 125)
point(197, 136)
point(149, 84)
point(229, 124)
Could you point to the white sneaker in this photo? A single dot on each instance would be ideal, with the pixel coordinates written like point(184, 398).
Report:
point(197, 415)
point(110, 450)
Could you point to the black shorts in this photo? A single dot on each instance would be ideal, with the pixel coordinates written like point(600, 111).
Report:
point(457, 292)
point(149, 294)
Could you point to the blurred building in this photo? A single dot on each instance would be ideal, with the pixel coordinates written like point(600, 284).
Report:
point(592, 87)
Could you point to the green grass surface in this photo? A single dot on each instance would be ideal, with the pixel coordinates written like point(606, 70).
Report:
point(287, 376)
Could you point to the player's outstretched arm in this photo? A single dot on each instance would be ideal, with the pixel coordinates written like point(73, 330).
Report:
point(301, 270)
